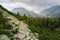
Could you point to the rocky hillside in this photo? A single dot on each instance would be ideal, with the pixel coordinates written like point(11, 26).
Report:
point(24, 33)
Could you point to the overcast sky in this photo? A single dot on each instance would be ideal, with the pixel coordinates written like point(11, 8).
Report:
point(31, 5)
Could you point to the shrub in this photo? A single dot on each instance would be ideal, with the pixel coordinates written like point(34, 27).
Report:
point(6, 32)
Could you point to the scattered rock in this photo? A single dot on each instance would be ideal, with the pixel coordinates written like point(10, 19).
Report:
point(4, 37)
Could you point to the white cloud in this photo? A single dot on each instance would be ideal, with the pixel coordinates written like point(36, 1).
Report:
point(38, 2)
point(31, 5)
point(11, 6)
point(4, 1)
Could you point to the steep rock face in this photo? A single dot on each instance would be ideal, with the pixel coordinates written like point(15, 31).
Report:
point(54, 12)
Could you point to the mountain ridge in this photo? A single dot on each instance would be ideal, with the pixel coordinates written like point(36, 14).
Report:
point(23, 11)
point(53, 11)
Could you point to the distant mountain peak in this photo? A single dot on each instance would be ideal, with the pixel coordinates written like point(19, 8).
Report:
point(23, 11)
point(53, 11)
point(20, 8)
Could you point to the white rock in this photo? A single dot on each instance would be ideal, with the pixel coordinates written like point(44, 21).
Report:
point(4, 37)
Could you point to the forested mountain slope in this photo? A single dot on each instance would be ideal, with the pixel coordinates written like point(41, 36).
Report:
point(16, 28)
point(53, 12)
point(19, 27)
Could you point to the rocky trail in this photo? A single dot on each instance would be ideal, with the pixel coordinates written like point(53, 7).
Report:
point(24, 33)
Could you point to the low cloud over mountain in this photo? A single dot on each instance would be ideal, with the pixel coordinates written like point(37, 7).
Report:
point(31, 5)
